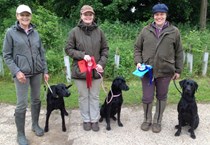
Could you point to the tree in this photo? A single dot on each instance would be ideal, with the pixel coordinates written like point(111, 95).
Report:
point(203, 14)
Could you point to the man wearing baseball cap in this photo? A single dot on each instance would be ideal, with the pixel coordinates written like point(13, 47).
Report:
point(159, 45)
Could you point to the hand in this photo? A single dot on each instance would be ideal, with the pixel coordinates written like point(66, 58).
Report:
point(138, 65)
point(99, 68)
point(21, 77)
point(46, 77)
point(87, 58)
point(176, 76)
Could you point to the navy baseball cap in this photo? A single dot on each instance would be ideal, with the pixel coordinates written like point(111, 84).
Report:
point(159, 8)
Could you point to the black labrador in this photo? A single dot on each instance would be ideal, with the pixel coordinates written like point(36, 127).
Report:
point(55, 100)
point(187, 107)
point(113, 102)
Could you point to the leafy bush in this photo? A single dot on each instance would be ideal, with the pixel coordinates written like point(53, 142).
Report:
point(48, 27)
point(55, 62)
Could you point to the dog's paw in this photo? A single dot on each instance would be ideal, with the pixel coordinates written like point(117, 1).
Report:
point(120, 124)
point(101, 119)
point(64, 129)
point(193, 136)
point(46, 129)
point(66, 113)
point(177, 126)
point(177, 133)
point(108, 128)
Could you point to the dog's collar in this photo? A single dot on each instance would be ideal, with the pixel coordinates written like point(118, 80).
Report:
point(112, 96)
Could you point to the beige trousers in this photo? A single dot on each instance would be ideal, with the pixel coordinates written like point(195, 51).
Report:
point(89, 100)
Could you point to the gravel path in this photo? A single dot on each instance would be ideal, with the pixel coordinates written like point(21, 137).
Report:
point(130, 134)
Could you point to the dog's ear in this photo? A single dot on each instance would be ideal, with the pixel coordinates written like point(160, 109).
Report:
point(181, 83)
point(68, 86)
point(196, 86)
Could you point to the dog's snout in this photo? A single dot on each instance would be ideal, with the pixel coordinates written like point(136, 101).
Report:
point(127, 88)
point(188, 89)
point(67, 94)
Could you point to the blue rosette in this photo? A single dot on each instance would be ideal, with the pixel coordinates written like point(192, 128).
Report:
point(140, 72)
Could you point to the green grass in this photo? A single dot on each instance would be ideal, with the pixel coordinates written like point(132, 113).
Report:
point(131, 97)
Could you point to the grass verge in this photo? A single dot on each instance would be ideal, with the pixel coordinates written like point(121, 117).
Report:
point(131, 97)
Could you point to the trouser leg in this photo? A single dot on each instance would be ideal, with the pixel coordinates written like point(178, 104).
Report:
point(20, 111)
point(162, 85)
point(35, 83)
point(94, 100)
point(83, 99)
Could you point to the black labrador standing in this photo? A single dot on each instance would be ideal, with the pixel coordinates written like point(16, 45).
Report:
point(55, 101)
point(113, 102)
point(187, 107)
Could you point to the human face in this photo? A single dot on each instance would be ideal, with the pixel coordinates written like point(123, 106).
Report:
point(24, 19)
point(160, 18)
point(87, 18)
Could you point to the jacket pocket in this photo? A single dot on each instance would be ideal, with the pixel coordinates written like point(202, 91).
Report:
point(39, 64)
point(23, 63)
point(167, 66)
point(76, 72)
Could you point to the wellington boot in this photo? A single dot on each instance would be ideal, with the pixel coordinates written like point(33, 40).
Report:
point(145, 126)
point(20, 124)
point(160, 107)
point(35, 110)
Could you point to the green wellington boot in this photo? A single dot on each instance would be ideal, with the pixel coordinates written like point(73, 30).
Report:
point(145, 126)
point(35, 110)
point(20, 124)
point(160, 107)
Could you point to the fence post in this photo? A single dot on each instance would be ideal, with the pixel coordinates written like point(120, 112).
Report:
point(184, 57)
point(117, 58)
point(190, 61)
point(1, 67)
point(205, 63)
point(67, 69)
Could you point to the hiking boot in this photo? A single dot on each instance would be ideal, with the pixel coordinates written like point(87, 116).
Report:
point(156, 128)
point(95, 126)
point(86, 126)
point(145, 126)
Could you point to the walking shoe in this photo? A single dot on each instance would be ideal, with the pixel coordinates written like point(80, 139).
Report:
point(145, 126)
point(95, 126)
point(86, 126)
point(156, 128)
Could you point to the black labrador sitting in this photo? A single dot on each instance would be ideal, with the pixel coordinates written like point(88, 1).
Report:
point(113, 102)
point(55, 101)
point(187, 107)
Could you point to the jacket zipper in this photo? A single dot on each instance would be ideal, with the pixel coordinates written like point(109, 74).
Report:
point(31, 54)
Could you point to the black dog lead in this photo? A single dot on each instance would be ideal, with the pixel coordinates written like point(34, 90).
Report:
point(177, 87)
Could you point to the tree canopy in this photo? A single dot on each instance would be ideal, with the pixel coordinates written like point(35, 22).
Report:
point(124, 10)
